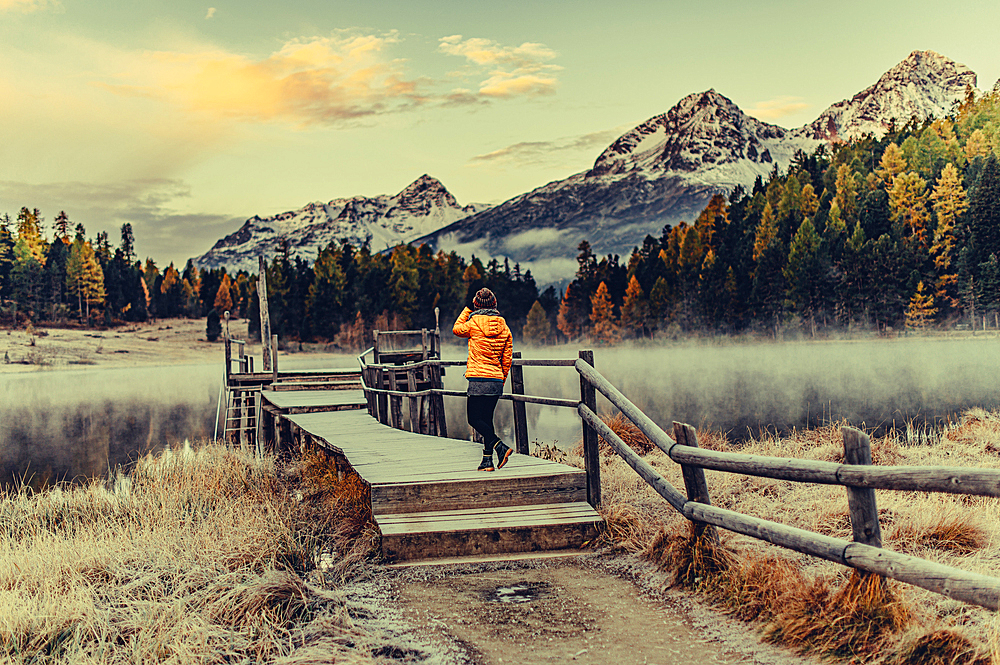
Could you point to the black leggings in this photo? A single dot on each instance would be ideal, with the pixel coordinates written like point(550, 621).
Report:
point(480, 410)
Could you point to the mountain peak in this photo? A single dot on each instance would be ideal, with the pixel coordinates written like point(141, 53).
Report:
point(422, 195)
point(703, 129)
point(924, 85)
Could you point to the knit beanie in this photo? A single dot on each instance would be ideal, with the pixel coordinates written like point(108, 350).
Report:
point(484, 299)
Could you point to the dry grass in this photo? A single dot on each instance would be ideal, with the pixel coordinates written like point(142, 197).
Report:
point(626, 431)
point(197, 556)
point(811, 604)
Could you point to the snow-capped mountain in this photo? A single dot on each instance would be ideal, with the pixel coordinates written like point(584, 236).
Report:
point(666, 169)
point(425, 205)
point(924, 85)
point(661, 172)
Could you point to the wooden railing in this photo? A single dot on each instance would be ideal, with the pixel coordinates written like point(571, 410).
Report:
point(384, 394)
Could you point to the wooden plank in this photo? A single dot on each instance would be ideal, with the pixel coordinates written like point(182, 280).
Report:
point(488, 541)
point(955, 480)
point(491, 558)
point(499, 515)
point(477, 493)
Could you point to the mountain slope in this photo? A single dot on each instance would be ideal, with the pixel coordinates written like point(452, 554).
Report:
point(666, 169)
point(384, 221)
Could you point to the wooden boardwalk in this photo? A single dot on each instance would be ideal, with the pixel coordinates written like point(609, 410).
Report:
point(427, 497)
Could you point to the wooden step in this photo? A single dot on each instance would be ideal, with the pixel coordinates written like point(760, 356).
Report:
point(485, 531)
point(482, 491)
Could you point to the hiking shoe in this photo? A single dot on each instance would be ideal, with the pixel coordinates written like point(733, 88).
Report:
point(486, 464)
point(503, 452)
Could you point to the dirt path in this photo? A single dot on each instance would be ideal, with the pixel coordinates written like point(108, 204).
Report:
point(559, 611)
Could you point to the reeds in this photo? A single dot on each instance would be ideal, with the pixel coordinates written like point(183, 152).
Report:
point(196, 556)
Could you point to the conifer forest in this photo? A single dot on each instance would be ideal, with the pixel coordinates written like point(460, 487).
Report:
point(882, 234)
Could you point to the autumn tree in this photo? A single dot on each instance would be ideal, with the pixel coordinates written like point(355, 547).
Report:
point(921, 309)
point(223, 297)
point(605, 324)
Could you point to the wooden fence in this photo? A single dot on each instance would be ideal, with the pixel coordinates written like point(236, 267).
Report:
point(383, 390)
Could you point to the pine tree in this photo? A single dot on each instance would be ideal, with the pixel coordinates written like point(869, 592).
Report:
point(325, 298)
point(804, 272)
point(404, 283)
point(537, 329)
point(61, 226)
point(847, 193)
point(635, 309)
point(605, 325)
point(921, 309)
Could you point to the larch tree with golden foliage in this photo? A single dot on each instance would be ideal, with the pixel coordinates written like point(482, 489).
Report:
point(921, 310)
point(949, 203)
point(565, 320)
point(908, 205)
point(223, 297)
point(606, 329)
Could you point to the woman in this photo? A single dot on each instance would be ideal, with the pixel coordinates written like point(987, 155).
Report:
point(490, 352)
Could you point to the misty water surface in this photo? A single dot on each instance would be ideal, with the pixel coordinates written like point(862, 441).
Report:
point(742, 389)
point(72, 423)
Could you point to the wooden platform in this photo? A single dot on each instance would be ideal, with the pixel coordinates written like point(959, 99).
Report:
point(427, 496)
point(312, 401)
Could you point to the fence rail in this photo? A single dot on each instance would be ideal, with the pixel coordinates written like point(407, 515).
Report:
point(857, 475)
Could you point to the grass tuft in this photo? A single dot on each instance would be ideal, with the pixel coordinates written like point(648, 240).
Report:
point(852, 622)
point(943, 646)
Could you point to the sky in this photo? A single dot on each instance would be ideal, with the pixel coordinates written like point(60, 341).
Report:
point(185, 118)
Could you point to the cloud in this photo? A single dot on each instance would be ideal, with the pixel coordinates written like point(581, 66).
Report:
point(211, 12)
point(151, 206)
point(549, 152)
point(510, 71)
point(318, 80)
point(26, 5)
point(777, 108)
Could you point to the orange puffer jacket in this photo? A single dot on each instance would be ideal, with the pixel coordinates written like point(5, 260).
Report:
point(490, 344)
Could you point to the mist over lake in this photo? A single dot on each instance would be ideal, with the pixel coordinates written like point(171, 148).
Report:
point(64, 424)
point(742, 389)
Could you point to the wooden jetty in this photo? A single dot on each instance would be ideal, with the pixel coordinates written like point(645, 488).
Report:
point(427, 498)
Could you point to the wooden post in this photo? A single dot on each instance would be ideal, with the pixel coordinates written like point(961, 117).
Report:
point(274, 359)
point(591, 454)
point(229, 349)
point(375, 359)
point(520, 419)
point(395, 403)
point(383, 399)
point(694, 479)
point(426, 353)
point(440, 420)
point(861, 500)
point(265, 319)
point(411, 386)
